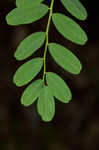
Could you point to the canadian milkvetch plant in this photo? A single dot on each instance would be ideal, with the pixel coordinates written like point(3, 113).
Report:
point(51, 85)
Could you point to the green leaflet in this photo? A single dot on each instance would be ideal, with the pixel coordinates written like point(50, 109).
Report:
point(69, 28)
point(65, 58)
point(58, 87)
point(27, 71)
point(29, 45)
point(22, 15)
point(76, 8)
point(28, 3)
point(31, 93)
point(46, 104)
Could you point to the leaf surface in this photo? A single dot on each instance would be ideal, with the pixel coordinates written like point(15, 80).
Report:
point(28, 3)
point(69, 28)
point(31, 93)
point(46, 104)
point(29, 45)
point(58, 87)
point(22, 15)
point(65, 58)
point(27, 71)
point(76, 8)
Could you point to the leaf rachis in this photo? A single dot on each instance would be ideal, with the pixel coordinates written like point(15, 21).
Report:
point(47, 35)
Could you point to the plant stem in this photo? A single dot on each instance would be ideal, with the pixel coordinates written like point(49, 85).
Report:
point(47, 35)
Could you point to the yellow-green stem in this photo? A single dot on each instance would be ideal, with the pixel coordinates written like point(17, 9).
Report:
point(47, 35)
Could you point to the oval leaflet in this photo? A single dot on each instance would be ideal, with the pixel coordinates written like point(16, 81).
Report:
point(76, 8)
point(27, 71)
point(31, 93)
point(23, 15)
point(69, 28)
point(65, 58)
point(58, 87)
point(28, 3)
point(46, 104)
point(29, 45)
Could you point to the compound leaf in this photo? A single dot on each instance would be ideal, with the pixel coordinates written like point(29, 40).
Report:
point(65, 58)
point(76, 8)
point(27, 71)
point(58, 87)
point(69, 28)
point(28, 3)
point(46, 104)
point(31, 93)
point(29, 45)
point(23, 15)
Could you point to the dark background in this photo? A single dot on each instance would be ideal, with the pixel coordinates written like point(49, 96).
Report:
point(75, 125)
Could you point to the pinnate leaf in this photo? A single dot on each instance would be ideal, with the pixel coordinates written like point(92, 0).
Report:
point(76, 8)
point(31, 93)
point(46, 104)
point(65, 58)
point(29, 45)
point(28, 3)
point(58, 87)
point(69, 28)
point(23, 15)
point(27, 71)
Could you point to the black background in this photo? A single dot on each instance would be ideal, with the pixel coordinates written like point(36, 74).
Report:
point(75, 125)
